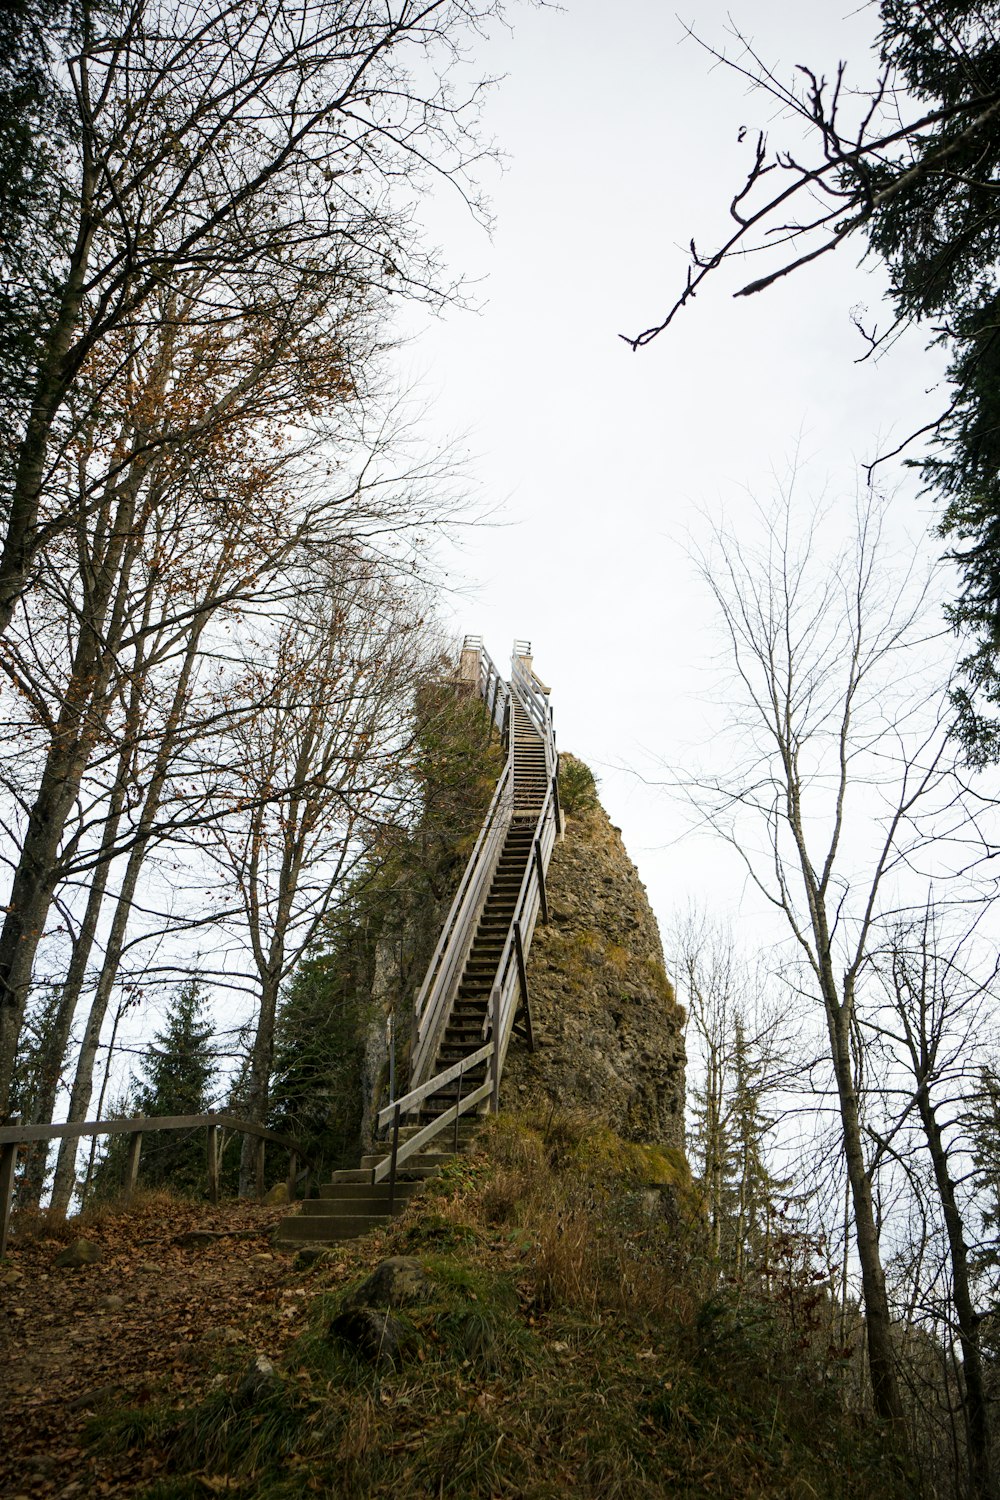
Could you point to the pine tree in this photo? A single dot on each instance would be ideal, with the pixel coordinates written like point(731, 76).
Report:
point(178, 1073)
point(318, 1054)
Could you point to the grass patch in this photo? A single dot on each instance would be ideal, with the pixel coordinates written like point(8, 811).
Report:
point(575, 1340)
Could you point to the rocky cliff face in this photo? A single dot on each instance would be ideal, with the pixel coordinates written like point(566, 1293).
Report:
point(608, 1030)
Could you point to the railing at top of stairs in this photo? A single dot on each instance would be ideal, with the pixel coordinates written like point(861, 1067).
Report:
point(448, 960)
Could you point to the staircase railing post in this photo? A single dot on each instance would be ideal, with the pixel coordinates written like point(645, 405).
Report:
point(495, 1003)
point(522, 975)
point(392, 1165)
point(540, 864)
point(458, 1107)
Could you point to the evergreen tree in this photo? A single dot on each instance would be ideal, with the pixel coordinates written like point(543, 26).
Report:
point(984, 1129)
point(937, 227)
point(178, 1072)
point(319, 1053)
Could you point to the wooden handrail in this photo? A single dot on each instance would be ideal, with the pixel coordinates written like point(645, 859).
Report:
point(13, 1136)
point(23, 1135)
point(459, 929)
point(424, 994)
point(408, 1103)
point(459, 925)
point(387, 1167)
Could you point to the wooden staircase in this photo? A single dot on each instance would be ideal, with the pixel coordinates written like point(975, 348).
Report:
point(351, 1204)
point(466, 1026)
point(500, 923)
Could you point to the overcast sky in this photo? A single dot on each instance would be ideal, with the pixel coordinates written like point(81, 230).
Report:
point(621, 142)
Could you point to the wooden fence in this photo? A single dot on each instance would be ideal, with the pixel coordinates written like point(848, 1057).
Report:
point(13, 1136)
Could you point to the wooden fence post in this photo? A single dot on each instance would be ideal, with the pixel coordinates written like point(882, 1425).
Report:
point(259, 1167)
point(8, 1161)
point(212, 1152)
point(293, 1172)
point(132, 1164)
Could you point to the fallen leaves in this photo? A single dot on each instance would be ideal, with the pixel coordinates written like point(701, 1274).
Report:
point(130, 1331)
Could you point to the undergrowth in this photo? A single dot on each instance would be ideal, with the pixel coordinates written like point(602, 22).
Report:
point(576, 1340)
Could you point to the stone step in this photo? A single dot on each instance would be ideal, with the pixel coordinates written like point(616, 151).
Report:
point(327, 1230)
point(374, 1207)
point(364, 1174)
point(356, 1192)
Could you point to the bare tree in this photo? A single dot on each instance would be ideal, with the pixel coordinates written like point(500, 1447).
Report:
point(237, 524)
point(317, 770)
point(743, 1056)
point(931, 1038)
point(273, 154)
point(843, 777)
point(232, 207)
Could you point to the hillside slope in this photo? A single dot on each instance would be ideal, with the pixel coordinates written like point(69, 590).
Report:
point(554, 1334)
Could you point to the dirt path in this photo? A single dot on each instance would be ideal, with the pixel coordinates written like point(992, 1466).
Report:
point(153, 1321)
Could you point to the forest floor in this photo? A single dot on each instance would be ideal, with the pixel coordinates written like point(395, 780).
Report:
point(565, 1337)
point(156, 1319)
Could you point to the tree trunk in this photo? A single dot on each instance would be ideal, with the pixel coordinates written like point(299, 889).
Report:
point(62, 1190)
point(259, 1082)
point(65, 1178)
point(881, 1357)
point(982, 1485)
point(56, 369)
point(79, 726)
point(56, 1044)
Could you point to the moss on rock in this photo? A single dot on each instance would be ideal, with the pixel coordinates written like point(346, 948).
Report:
point(608, 1029)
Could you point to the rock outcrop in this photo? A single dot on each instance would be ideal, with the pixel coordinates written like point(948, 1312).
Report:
point(608, 1030)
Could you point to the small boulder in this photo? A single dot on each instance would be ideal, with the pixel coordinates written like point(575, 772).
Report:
point(260, 1378)
point(374, 1333)
point(111, 1303)
point(80, 1253)
point(196, 1239)
point(277, 1195)
point(396, 1282)
point(311, 1255)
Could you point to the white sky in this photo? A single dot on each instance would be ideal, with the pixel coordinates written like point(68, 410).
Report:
point(621, 143)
